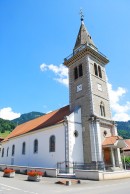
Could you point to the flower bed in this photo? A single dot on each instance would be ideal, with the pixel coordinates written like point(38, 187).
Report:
point(9, 173)
point(35, 175)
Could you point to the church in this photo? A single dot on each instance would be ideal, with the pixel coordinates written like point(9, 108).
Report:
point(82, 133)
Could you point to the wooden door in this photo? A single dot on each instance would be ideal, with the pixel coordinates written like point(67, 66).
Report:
point(107, 156)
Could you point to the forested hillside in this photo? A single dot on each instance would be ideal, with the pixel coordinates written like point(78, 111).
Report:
point(124, 129)
point(6, 125)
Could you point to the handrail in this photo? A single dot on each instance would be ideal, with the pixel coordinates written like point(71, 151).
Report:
point(81, 48)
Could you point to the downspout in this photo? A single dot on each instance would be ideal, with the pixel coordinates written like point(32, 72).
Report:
point(65, 123)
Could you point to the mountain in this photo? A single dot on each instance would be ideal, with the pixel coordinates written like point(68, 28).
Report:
point(123, 129)
point(27, 117)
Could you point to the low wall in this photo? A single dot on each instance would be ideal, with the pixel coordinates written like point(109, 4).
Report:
point(101, 175)
point(51, 172)
point(88, 174)
point(116, 175)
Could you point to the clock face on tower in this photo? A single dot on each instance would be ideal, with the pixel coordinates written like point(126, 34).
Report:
point(79, 88)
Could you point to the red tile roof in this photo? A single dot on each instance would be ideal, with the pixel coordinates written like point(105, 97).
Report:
point(47, 120)
point(111, 140)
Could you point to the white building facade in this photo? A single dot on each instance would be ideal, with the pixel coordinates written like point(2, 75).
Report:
point(47, 146)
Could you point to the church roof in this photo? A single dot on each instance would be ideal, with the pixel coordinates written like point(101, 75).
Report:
point(47, 120)
point(83, 37)
point(110, 140)
point(114, 141)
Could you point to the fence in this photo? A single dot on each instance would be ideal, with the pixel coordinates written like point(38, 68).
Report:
point(70, 167)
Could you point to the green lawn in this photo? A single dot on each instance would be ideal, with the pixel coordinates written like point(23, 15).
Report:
point(3, 135)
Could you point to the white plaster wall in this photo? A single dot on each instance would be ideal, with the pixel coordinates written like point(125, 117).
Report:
point(75, 143)
point(43, 158)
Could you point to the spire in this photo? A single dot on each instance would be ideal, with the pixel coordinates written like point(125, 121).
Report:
point(83, 35)
point(82, 16)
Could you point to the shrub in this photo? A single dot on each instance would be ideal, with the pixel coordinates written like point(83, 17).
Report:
point(8, 170)
point(35, 173)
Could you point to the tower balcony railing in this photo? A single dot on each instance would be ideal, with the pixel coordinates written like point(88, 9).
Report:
point(83, 47)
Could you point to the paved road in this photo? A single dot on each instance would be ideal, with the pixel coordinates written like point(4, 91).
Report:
point(20, 185)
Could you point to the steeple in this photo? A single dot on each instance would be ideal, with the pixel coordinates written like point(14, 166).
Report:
point(83, 35)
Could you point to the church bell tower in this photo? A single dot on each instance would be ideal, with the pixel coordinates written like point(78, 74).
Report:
point(88, 90)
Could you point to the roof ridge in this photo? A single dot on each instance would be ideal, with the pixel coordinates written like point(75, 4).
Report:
point(43, 115)
point(43, 121)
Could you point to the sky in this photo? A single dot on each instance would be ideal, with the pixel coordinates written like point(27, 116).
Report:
point(36, 36)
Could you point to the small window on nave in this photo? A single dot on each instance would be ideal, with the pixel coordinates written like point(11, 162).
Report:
point(3, 152)
point(13, 150)
point(23, 148)
point(52, 143)
point(35, 148)
point(7, 151)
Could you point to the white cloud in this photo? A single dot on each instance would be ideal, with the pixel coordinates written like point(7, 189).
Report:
point(61, 72)
point(121, 111)
point(8, 114)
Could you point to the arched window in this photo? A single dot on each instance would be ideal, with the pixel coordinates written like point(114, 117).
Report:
point(95, 69)
point(102, 109)
point(7, 151)
point(80, 70)
point(99, 71)
point(3, 152)
point(23, 148)
point(35, 148)
point(13, 150)
point(75, 73)
point(52, 143)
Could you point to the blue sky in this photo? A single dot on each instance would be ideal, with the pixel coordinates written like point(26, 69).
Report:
point(36, 36)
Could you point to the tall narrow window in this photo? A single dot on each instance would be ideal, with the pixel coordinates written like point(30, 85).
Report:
point(35, 148)
point(95, 69)
point(80, 70)
point(13, 150)
point(23, 148)
point(102, 109)
point(99, 71)
point(75, 73)
point(3, 152)
point(52, 144)
point(7, 151)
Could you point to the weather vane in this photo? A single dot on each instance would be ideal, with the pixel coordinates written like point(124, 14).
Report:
point(81, 15)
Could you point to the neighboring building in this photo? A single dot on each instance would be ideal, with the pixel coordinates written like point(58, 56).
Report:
point(126, 150)
point(82, 132)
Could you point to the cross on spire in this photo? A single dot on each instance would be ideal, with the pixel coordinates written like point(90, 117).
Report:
point(81, 15)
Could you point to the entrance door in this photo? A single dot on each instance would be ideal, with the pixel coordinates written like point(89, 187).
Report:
point(107, 156)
